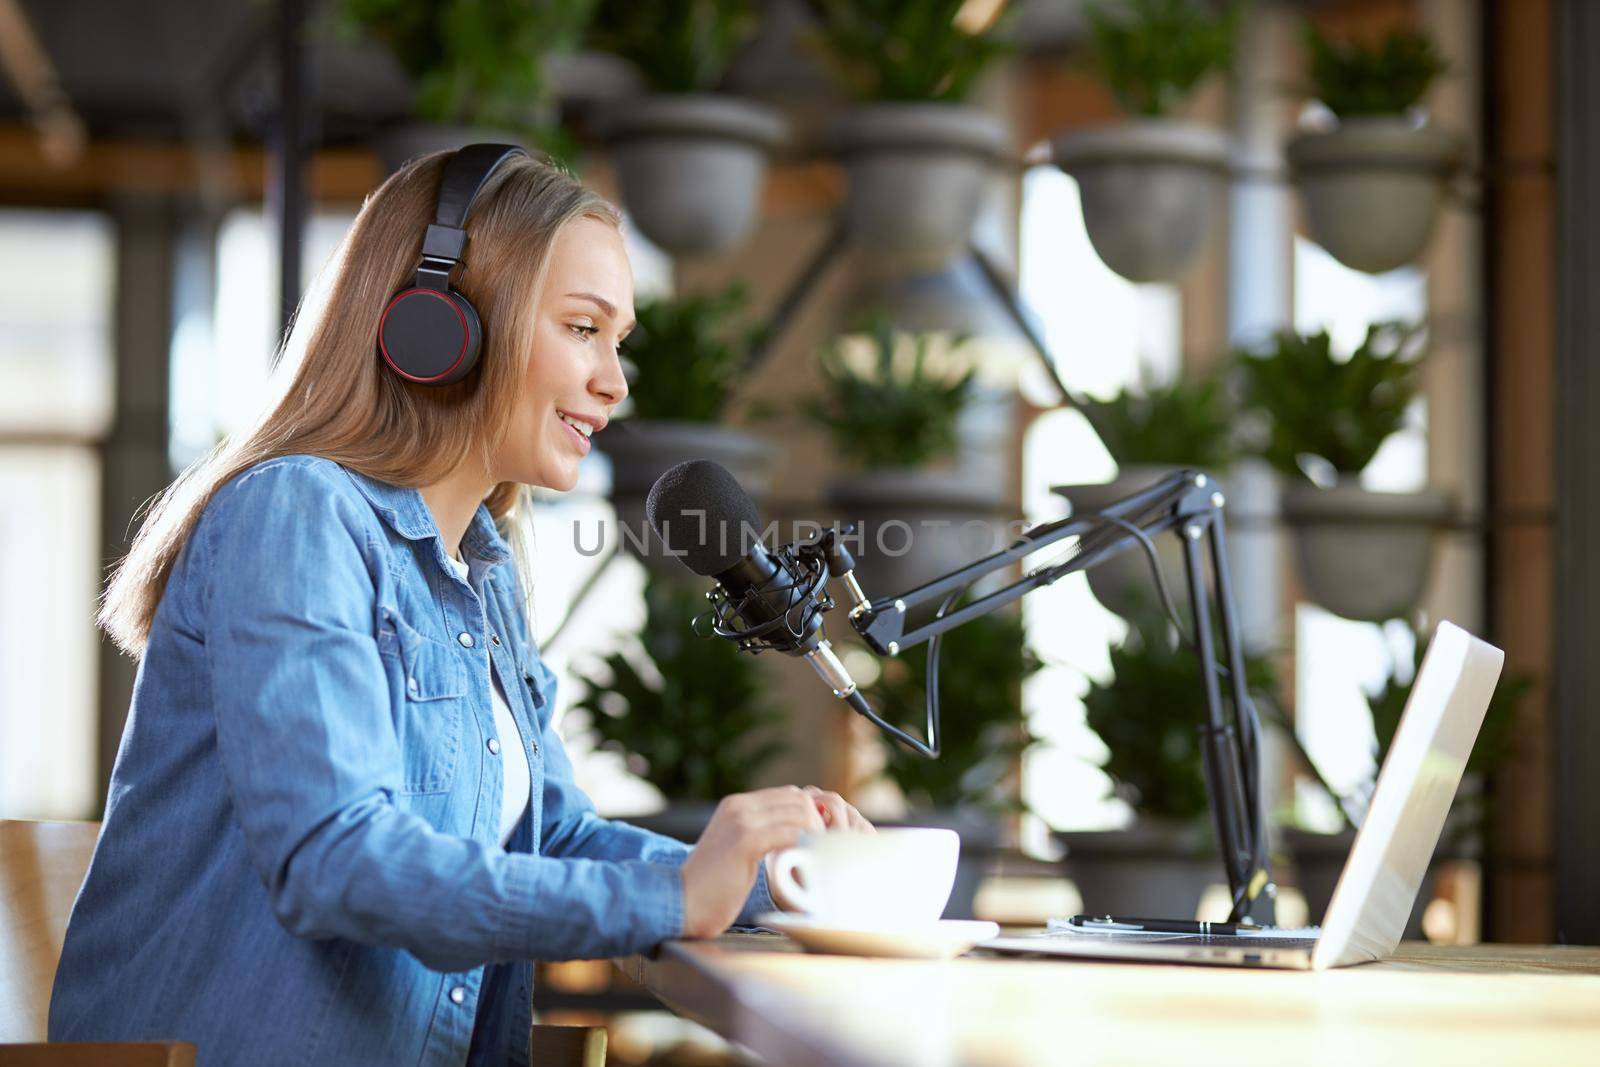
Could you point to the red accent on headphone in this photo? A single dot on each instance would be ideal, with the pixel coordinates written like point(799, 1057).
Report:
point(383, 348)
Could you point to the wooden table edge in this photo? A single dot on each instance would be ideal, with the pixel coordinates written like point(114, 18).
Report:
point(691, 987)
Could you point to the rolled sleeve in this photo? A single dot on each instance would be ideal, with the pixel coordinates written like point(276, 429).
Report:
point(570, 827)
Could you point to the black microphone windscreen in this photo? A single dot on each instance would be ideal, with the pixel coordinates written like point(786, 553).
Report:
point(703, 515)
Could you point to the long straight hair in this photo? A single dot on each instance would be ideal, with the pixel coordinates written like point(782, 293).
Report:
point(332, 396)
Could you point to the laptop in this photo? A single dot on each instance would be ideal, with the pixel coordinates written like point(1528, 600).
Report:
point(1384, 870)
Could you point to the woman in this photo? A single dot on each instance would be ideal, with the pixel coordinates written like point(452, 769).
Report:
point(339, 823)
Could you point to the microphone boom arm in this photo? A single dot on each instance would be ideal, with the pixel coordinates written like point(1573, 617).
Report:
point(1186, 502)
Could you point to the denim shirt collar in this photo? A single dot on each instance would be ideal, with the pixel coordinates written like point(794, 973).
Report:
point(403, 508)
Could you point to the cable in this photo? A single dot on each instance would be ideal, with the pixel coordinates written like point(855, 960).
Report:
point(1246, 717)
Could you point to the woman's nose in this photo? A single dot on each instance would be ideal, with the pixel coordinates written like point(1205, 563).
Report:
point(609, 383)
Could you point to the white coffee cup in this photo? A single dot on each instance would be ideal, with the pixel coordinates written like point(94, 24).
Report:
point(895, 877)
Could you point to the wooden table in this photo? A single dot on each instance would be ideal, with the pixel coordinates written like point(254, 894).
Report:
point(1425, 1006)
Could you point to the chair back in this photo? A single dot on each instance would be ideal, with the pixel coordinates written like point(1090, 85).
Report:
point(42, 865)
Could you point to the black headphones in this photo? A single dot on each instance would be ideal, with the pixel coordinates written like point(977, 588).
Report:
point(429, 333)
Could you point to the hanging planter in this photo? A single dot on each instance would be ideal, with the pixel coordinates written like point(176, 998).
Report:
point(690, 161)
point(1151, 430)
point(1124, 583)
point(897, 406)
point(1362, 554)
point(691, 166)
point(917, 158)
point(1150, 188)
point(1372, 188)
point(1372, 185)
point(495, 84)
point(915, 176)
point(1151, 185)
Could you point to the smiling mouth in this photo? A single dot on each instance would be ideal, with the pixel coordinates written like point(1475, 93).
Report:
point(577, 433)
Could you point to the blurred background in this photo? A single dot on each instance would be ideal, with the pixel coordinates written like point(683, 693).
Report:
point(942, 265)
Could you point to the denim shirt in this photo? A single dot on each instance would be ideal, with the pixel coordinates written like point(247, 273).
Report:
point(300, 858)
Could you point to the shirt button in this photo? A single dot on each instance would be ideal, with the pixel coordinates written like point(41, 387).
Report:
point(494, 639)
point(411, 684)
point(494, 746)
point(458, 994)
point(465, 639)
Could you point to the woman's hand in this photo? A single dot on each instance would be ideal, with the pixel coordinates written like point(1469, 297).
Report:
point(719, 873)
point(837, 814)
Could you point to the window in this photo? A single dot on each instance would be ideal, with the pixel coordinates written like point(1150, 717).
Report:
point(1336, 660)
point(55, 349)
point(1105, 333)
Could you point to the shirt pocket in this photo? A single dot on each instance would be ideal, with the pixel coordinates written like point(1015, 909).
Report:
point(427, 686)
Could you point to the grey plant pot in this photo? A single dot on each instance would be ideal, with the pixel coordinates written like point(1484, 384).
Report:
point(1155, 868)
point(1364, 555)
point(1372, 187)
point(1150, 188)
point(691, 166)
point(641, 450)
point(915, 176)
point(399, 144)
point(1124, 583)
point(916, 524)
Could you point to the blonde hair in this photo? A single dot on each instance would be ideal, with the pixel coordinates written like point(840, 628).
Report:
point(335, 399)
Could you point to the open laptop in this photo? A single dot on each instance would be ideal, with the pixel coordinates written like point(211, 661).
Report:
point(1386, 864)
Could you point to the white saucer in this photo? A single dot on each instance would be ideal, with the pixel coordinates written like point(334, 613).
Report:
point(939, 940)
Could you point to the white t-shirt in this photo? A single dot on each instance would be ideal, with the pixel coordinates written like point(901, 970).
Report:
point(518, 784)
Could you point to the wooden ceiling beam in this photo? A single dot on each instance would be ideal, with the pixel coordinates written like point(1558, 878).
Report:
point(108, 167)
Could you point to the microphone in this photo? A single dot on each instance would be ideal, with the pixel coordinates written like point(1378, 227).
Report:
point(778, 596)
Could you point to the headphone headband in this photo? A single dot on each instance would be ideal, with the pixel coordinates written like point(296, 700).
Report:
point(465, 175)
point(429, 333)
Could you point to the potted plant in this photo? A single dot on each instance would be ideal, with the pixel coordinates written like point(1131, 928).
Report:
point(891, 403)
point(691, 348)
point(983, 735)
point(916, 157)
point(1151, 431)
point(1371, 184)
point(688, 715)
point(1362, 554)
point(690, 161)
point(1151, 183)
point(479, 70)
point(1318, 858)
point(1149, 715)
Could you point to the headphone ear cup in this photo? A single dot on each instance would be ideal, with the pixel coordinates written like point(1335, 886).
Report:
point(429, 337)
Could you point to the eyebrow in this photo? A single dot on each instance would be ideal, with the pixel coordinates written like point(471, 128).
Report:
point(605, 305)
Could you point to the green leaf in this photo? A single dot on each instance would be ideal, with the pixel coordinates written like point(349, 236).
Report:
point(902, 414)
point(688, 352)
point(1383, 78)
point(706, 728)
point(1150, 714)
point(983, 729)
point(475, 62)
point(1152, 53)
point(1183, 424)
point(1341, 410)
point(679, 46)
point(906, 50)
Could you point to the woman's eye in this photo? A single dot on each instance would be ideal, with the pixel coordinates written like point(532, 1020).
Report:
point(584, 332)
